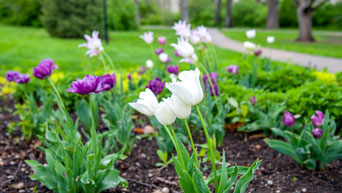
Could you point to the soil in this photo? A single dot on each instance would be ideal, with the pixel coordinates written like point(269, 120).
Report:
point(277, 172)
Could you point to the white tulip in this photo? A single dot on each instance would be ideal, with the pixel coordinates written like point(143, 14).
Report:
point(146, 104)
point(249, 46)
point(180, 109)
point(184, 48)
point(163, 57)
point(270, 39)
point(189, 89)
point(164, 114)
point(149, 64)
point(147, 37)
point(251, 33)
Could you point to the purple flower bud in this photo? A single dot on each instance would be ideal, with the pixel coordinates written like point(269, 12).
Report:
point(142, 70)
point(89, 84)
point(156, 86)
point(173, 69)
point(108, 81)
point(288, 119)
point(233, 69)
point(22, 79)
point(44, 69)
point(168, 60)
point(317, 132)
point(159, 51)
point(177, 54)
point(11, 75)
point(162, 40)
point(253, 100)
point(317, 118)
point(258, 52)
point(213, 77)
point(129, 76)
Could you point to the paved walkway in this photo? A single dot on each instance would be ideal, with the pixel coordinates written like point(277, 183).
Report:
point(321, 62)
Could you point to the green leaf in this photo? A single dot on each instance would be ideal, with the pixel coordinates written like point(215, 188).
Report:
point(223, 180)
point(185, 180)
point(243, 182)
point(112, 180)
point(283, 148)
point(199, 183)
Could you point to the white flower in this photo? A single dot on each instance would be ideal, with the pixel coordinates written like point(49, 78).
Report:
point(149, 64)
point(182, 29)
point(180, 109)
point(270, 39)
point(195, 37)
point(93, 44)
point(204, 34)
point(251, 33)
point(147, 37)
point(185, 50)
point(189, 89)
point(146, 104)
point(163, 57)
point(164, 114)
point(173, 77)
point(249, 46)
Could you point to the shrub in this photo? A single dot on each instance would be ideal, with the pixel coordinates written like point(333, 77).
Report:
point(122, 15)
point(20, 12)
point(72, 18)
point(202, 12)
point(249, 13)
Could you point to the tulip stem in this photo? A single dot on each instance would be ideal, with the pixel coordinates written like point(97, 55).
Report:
point(175, 142)
point(58, 95)
point(192, 142)
point(103, 62)
point(210, 145)
point(110, 61)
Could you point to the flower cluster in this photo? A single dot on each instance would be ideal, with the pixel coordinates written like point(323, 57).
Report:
point(14, 76)
point(185, 93)
point(233, 69)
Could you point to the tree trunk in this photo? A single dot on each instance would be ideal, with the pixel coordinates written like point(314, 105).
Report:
point(184, 10)
point(305, 24)
point(228, 20)
point(273, 14)
point(218, 12)
point(138, 16)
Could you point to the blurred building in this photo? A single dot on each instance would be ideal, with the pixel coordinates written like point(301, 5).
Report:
point(169, 5)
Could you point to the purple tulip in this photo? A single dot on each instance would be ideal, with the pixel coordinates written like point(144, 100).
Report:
point(159, 51)
point(129, 76)
point(162, 40)
point(253, 100)
point(258, 52)
point(173, 69)
point(142, 70)
point(44, 69)
point(89, 84)
point(22, 79)
point(317, 118)
point(213, 77)
point(233, 69)
point(177, 54)
point(11, 75)
point(156, 86)
point(168, 60)
point(317, 132)
point(288, 119)
point(108, 81)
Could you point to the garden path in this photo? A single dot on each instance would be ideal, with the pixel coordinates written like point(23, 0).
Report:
point(320, 62)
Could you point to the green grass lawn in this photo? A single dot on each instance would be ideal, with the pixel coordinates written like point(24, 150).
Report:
point(22, 48)
point(327, 43)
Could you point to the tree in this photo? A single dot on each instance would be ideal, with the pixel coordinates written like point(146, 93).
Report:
point(228, 20)
point(218, 12)
point(273, 14)
point(184, 10)
point(304, 16)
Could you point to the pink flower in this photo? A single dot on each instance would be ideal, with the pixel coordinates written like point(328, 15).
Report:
point(233, 69)
point(93, 44)
point(162, 40)
point(288, 119)
point(317, 118)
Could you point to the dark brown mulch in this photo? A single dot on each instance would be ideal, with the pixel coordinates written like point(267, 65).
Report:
point(277, 173)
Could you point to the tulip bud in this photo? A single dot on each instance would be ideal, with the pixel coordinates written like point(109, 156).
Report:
point(162, 40)
point(149, 64)
point(317, 132)
point(251, 33)
point(253, 100)
point(159, 51)
point(288, 119)
point(164, 114)
point(163, 57)
point(258, 52)
point(233, 69)
point(317, 118)
point(270, 39)
point(129, 76)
